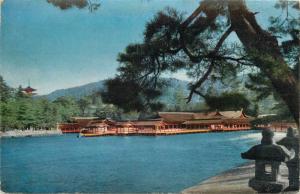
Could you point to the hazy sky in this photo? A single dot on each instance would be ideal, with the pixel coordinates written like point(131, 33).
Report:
point(58, 49)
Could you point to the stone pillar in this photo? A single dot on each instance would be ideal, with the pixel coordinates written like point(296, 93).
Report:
point(291, 142)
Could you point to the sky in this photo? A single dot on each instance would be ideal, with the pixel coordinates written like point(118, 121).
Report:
point(57, 49)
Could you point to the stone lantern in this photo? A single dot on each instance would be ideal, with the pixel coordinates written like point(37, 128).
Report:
point(268, 157)
point(291, 142)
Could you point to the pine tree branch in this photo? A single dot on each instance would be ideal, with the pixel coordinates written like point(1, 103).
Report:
point(199, 82)
point(210, 68)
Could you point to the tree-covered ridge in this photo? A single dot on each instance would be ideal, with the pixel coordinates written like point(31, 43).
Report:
point(76, 92)
point(20, 111)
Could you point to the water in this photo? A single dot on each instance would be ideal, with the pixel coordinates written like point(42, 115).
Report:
point(118, 164)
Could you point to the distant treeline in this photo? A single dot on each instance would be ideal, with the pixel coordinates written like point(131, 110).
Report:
point(20, 111)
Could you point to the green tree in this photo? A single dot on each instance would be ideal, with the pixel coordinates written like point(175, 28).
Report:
point(83, 105)
point(19, 111)
point(66, 108)
point(108, 111)
point(42, 108)
point(8, 112)
point(5, 90)
point(22, 113)
point(197, 45)
point(128, 95)
point(227, 101)
point(19, 93)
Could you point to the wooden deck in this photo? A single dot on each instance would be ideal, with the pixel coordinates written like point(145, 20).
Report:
point(97, 134)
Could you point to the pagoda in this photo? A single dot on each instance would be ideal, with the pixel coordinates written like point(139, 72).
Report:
point(29, 90)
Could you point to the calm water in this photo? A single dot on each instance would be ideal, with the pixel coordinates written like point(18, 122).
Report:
point(118, 164)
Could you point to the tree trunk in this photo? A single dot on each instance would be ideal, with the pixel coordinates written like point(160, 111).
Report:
point(265, 53)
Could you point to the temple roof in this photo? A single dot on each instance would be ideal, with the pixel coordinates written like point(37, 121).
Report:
point(231, 114)
point(187, 116)
point(29, 89)
point(209, 115)
point(176, 116)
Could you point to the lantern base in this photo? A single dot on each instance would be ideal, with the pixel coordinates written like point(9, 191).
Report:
point(267, 186)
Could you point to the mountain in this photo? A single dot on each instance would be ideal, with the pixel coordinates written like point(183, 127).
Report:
point(76, 92)
point(170, 95)
point(174, 85)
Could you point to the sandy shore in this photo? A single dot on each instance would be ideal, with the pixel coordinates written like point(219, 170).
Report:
point(234, 180)
point(231, 181)
point(29, 133)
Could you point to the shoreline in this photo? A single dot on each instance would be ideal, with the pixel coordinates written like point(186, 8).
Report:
point(234, 180)
point(29, 133)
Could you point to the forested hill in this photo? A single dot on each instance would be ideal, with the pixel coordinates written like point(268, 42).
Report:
point(175, 93)
point(76, 92)
point(175, 86)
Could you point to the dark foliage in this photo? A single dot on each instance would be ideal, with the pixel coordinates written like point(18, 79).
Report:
point(5, 90)
point(128, 95)
point(228, 101)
